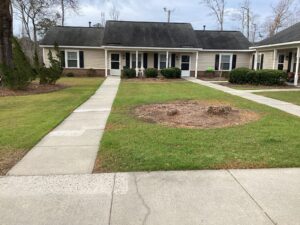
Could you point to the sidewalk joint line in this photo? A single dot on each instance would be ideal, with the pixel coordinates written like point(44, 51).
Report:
point(112, 199)
point(253, 199)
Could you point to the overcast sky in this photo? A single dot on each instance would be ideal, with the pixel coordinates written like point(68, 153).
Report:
point(152, 10)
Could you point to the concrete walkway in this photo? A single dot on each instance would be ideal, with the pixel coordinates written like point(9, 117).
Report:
point(226, 197)
point(281, 105)
point(72, 147)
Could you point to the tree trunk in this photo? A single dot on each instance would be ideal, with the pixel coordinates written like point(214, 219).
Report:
point(6, 33)
point(62, 12)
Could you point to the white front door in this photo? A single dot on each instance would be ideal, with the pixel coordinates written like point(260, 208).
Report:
point(115, 68)
point(185, 65)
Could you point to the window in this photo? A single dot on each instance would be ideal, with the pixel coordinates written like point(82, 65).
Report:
point(72, 60)
point(281, 62)
point(133, 60)
point(258, 65)
point(162, 61)
point(115, 61)
point(185, 62)
point(225, 62)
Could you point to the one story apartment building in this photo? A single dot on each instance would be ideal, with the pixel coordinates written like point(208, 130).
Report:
point(140, 45)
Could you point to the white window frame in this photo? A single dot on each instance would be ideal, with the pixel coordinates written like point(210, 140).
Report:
point(66, 59)
point(133, 56)
point(220, 61)
point(167, 63)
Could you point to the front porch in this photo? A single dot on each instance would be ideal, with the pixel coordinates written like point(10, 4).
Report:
point(280, 57)
point(116, 59)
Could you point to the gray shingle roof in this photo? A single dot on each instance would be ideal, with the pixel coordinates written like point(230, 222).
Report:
point(288, 35)
point(149, 34)
point(233, 40)
point(74, 36)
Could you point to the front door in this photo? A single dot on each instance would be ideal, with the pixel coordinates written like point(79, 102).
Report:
point(185, 65)
point(115, 69)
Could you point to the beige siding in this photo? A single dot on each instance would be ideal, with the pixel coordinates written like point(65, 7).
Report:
point(93, 58)
point(207, 59)
point(268, 59)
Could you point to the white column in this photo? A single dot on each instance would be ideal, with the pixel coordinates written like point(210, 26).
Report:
point(196, 64)
point(106, 62)
point(137, 63)
point(256, 60)
point(274, 59)
point(167, 58)
point(297, 67)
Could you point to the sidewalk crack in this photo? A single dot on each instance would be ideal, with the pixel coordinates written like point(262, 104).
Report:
point(143, 200)
point(112, 200)
point(253, 199)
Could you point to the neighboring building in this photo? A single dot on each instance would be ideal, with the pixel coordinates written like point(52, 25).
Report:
point(152, 44)
point(281, 52)
point(142, 45)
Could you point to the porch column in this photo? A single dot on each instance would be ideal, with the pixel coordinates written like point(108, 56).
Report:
point(275, 58)
point(297, 67)
point(256, 60)
point(106, 62)
point(196, 64)
point(167, 58)
point(137, 63)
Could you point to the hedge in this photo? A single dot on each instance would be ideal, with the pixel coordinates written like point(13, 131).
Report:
point(128, 73)
point(259, 77)
point(171, 73)
point(151, 72)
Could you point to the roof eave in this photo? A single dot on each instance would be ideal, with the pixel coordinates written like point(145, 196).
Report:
point(276, 45)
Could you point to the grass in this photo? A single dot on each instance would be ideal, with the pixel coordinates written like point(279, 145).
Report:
point(129, 144)
point(254, 87)
point(292, 96)
point(24, 120)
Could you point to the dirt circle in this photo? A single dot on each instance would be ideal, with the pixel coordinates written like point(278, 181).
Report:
point(195, 114)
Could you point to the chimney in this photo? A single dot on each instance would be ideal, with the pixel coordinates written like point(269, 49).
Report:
point(204, 27)
point(90, 24)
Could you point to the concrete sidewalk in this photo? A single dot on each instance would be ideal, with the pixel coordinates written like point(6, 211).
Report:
point(72, 147)
point(281, 105)
point(226, 197)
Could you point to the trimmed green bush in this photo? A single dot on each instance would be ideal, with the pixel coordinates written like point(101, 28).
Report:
point(171, 73)
point(239, 76)
point(151, 73)
point(128, 73)
point(259, 77)
point(20, 76)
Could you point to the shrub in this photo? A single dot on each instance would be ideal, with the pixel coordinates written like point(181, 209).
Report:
point(53, 73)
point(151, 72)
point(171, 73)
point(259, 77)
point(21, 74)
point(128, 73)
point(239, 76)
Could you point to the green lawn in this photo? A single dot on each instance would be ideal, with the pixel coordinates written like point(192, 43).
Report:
point(24, 120)
point(132, 145)
point(292, 96)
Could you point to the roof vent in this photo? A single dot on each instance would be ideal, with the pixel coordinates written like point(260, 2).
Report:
point(90, 24)
point(204, 27)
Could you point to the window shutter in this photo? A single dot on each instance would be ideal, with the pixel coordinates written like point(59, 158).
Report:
point(262, 61)
point(253, 61)
point(234, 57)
point(127, 60)
point(145, 61)
point(62, 59)
point(155, 60)
point(173, 59)
point(217, 61)
point(290, 62)
point(81, 59)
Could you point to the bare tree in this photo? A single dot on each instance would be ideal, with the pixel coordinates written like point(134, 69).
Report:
point(6, 33)
point(217, 8)
point(66, 5)
point(114, 13)
point(281, 17)
point(103, 19)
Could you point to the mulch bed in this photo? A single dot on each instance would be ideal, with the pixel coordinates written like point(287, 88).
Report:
point(33, 88)
point(195, 114)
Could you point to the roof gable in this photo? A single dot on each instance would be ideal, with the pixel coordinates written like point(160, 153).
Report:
point(74, 36)
point(149, 34)
point(227, 40)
